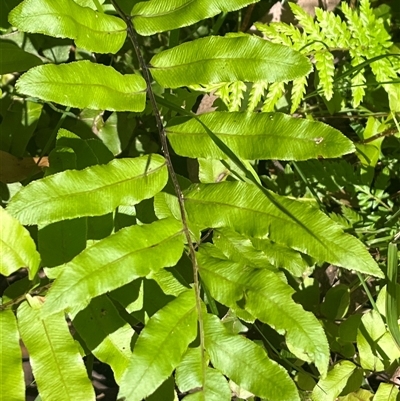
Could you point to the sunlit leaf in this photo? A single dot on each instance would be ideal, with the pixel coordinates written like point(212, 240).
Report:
point(93, 191)
point(247, 210)
point(189, 378)
point(17, 247)
point(269, 299)
point(246, 363)
point(93, 31)
point(12, 384)
point(282, 256)
point(258, 136)
point(115, 261)
point(154, 16)
point(386, 392)
point(17, 60)
point(376, 347)
point(160, 347)
point(216, 59)
point(332, 385)
point(54, 356)
point(83, 84)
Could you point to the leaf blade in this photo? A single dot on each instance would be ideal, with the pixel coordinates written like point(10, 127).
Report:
point(268, 298)
point(236, 357)
point(56, 364)
point(244, 208)
point(258, 136)
point(94, 191)
point(17, 60)
point(12, 384)
point(239, 58)
point(17, 247)
point(114, 262)
point(160, 347)
point(153, 17)
point(83, 84)
point(93, 31)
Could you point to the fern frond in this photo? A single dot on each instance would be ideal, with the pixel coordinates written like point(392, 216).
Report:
point(306, 21)
point(273, 33)
point(326, 71)
point(334, 29)
point(236, 96)
point(298, 91)
point(275, 92)
point(224, 93)
point(357, 82)
point(257, 92)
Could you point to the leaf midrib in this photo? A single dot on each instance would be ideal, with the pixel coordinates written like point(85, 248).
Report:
point(161, 14)
point(246, 60)
point(67, 195)
point(251, 135)
point(155, 354)
point(108, 265)
point(84, 27)
point(74, 84)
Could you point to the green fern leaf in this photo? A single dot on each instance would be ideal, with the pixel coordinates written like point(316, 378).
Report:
point(244, 208)
point(268, 298)
point(256, 93)
point(160, 347)
point(298, 91)
point(326, 70)
point(237, 357)
point(12, 386)
point(115, 261)
point(275, 92)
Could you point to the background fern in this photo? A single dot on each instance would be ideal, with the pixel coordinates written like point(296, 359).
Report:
point(360, 36)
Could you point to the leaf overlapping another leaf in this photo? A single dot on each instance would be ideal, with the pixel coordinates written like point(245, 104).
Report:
point(160, 347)
point(246, 363)
point(84, 84)
point(189, 378)
point(117, 260)
point(152, 17)
point(266, 297)
point(17, 247)
point(218, 59)
point(93, 31)
point(94, 191)
point(247, 210)
point(54, 356)
point(258, 136)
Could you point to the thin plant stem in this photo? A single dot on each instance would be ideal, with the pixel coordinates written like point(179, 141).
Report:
point(368, 292)
point(178, 191)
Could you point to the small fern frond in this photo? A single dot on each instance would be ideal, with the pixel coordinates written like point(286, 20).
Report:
point(306, 21)
point(273, 32)
point(257, 92)
point(298, 91)
point(224, 93)
point(326, 70)
point(334, 29)
point(236, 96)
point(275, 92)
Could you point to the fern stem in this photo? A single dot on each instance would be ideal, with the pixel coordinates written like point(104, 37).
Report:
point(368, 292)
point(310, 187)
point(178, 191)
